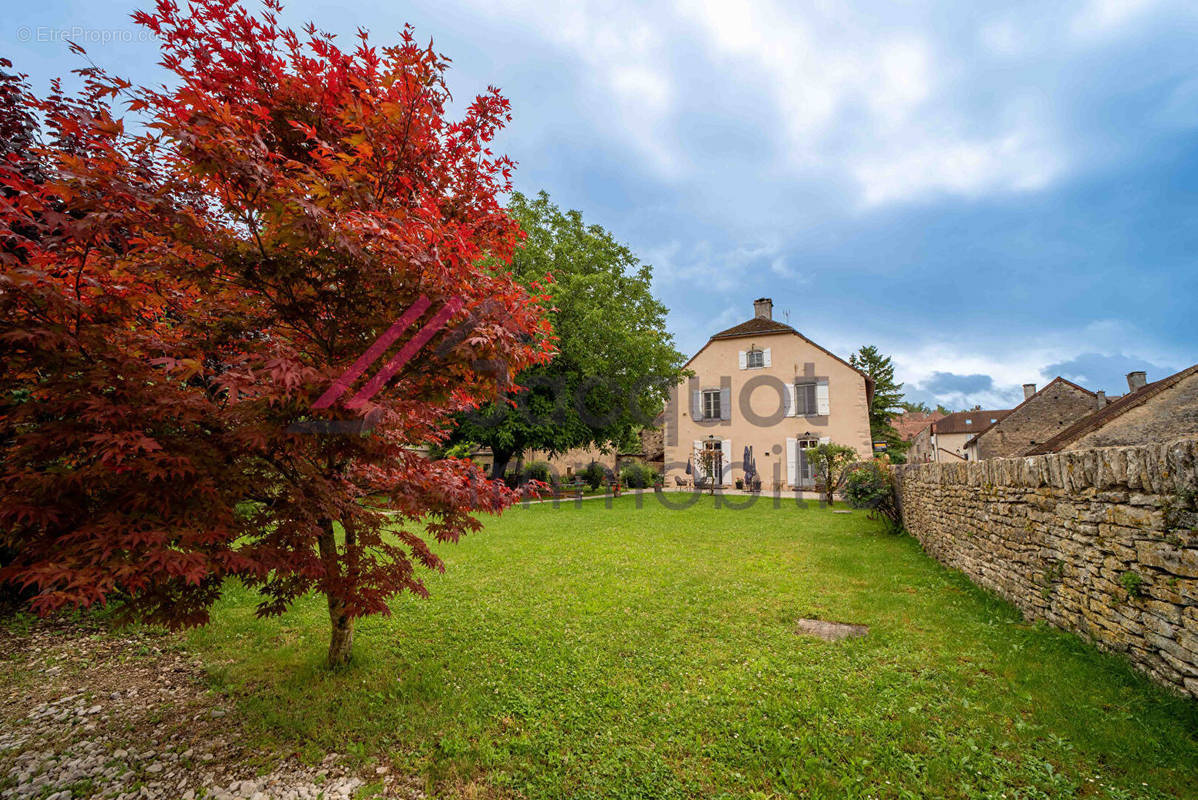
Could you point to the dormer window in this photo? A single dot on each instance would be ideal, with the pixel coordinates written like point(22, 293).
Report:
point(755, 359)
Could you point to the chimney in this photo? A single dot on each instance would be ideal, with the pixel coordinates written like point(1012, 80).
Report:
point(1101, 399)
point(1136, 380)
point(763, 308)
point(1029, 389)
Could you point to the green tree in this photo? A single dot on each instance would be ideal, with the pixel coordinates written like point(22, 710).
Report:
point(887, 400)
point(831, 463)
point(615, 360)
point(915, 408)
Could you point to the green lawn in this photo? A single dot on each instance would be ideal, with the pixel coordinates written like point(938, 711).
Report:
point(650, 653)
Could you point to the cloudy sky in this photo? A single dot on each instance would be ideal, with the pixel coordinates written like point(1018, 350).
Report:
point(994, 193)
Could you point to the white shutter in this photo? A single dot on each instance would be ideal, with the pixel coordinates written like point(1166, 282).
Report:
point(792, 475)
point(726, 403)
point(727, 450)
point(825, 440)
point(697, 472)
point(821, 398)
point(744, 359)
point(766, 357)
point(697, 404)
point(789, 408)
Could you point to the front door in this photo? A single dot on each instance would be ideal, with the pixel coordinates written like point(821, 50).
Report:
point(806, 472)
point(716, 461)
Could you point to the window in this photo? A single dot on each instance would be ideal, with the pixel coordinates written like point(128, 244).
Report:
point(805, 402)
point(711, 404)
point(755, 358)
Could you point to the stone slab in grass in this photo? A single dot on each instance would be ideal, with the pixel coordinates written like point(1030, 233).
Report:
point(830, 631)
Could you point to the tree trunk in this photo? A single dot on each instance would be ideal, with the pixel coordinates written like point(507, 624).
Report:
point(500, 462)
point(341, 642)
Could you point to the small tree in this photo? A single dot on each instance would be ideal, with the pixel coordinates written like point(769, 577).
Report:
point(707, 463)
point(830, 463)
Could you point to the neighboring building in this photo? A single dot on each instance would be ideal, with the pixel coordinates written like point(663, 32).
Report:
point(1042, 415)
point(763, 384)
point(567, 465)
point(944, 439)
point(910, 423)
point(1149, 412)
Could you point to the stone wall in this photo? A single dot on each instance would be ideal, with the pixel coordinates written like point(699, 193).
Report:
point(1102, 542)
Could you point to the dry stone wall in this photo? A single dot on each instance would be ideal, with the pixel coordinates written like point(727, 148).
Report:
point(1102, 542)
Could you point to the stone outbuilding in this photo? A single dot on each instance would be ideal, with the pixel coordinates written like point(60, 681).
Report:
point(1161, 411)
point(1042, 415)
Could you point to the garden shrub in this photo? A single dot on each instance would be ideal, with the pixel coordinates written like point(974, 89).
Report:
point(593, 475)
point(635, 475)
point(540, 471)
point(872, 485)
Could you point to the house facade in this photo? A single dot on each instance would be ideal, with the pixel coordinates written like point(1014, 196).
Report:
point(1042, 415)
point(945, 438)
point(762, 384)
point(1161, 411)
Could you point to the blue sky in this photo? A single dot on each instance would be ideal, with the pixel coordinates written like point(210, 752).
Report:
point(993, 193)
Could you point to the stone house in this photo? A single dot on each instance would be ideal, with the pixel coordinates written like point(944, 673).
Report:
point(1162, 411)
point(764, 385)
point(944, 439)
point(1042, 415)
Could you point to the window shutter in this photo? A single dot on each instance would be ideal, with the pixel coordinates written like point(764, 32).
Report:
point(825, 440)
point(821, 398)
point(766, 356)
point(792, 475)
point(726, 403)
point(727, 451)
point(788, 400)
point(697, 404)
point(744, 359)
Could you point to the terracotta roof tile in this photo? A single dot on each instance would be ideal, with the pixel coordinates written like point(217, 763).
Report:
point(968, 421)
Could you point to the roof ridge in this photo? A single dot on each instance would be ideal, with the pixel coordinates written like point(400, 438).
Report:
point(1115, 409)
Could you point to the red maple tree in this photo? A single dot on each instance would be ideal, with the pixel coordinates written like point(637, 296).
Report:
point(174, 301)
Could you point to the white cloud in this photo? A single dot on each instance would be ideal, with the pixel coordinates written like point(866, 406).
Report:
point(620, 51)
point(1099, 17)
point(877, 102)
point(1014, 162)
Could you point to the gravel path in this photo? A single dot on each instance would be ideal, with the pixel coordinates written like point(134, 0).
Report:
point(84, 713)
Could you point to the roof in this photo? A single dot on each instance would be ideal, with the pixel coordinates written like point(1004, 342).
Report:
point(1027, 400)
point(754, 327)
point(1117, 408)
point(968, 421)
point(910, 423)
point(760, 326)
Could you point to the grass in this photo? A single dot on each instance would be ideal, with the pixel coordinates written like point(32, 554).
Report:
point(624, 652)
